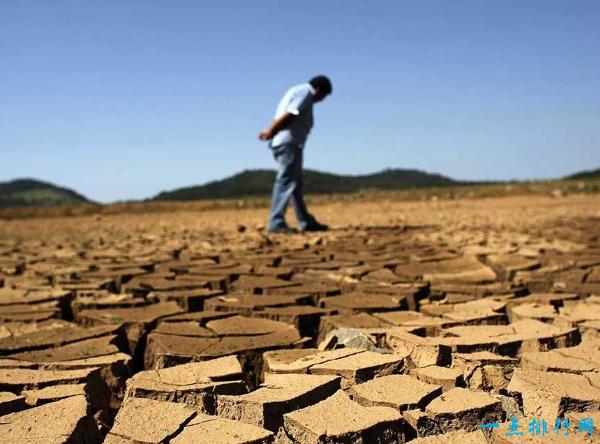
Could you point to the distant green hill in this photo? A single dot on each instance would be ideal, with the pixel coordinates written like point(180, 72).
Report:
point(260, 183)
point(30, 192)
point(249, 183)
point(590, 174)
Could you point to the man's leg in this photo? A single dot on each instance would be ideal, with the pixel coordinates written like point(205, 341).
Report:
point(283, 188)
point(304, 218)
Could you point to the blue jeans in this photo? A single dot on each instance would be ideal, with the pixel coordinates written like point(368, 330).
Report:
point(288, 185)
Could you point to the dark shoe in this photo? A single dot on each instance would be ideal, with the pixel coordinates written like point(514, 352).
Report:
point(284, 230)
point(316, 227)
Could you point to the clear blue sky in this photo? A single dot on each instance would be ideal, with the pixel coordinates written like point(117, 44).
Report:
point(123, 99)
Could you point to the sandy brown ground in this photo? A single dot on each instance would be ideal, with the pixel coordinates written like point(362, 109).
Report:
point(519, 212)
point(415, 320)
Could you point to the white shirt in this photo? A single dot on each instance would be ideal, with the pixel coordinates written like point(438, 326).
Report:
point(297, 100)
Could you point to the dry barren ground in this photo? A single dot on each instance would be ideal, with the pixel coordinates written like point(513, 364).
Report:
point(417, 321)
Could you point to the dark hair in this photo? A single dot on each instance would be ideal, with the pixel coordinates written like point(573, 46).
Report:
point(323, 83)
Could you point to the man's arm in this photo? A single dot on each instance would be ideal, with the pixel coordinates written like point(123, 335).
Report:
point(277, 125)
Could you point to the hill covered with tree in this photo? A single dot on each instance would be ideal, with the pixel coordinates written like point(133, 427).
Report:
point(588, 174)
point(260, 182)
point(31, 192)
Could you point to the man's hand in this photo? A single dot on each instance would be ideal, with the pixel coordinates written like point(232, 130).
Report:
point(278, 124)
point(266, 134)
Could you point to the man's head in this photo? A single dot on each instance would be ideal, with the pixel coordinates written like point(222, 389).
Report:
point(322, 86)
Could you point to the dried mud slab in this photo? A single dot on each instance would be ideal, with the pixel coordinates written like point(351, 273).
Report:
point(579, 359)
point(315, 290)
point(34, 305)
point(20, 379)
point(279, 394)
point(353, 303)
point(338, 419)
point(102, 299)
point(200, 317)
point(401, 392)
point(485, 370)
point(149, 421)
point(56, 422)
point(30, 313)
point(13, 329)
point(136, 321)
point(410, 319)
point(100, 353)
point(579, 312)
point(464, 270)
point(53, 393)
point(260, 284)
point(353, 365)
point(188, 300)
point(489, 311)
point(304, 317)
point(54, 337)
point(300, 361)
point(552, 394)
point(457, 409)
point(217, 430)
point(196, 384)
point(511, 340)
point(241, 336)
point(445, 377)
point(360, 367)
point(87, 348)
point(533, 310)
point(98, 392)
point(10, 403)
point(420, 352)
point(246, 304)
point(243, 326)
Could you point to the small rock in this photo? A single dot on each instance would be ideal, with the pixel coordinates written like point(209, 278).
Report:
point(348, 338)
point(510, 406)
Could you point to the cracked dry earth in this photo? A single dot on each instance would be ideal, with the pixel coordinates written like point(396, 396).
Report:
point(414, 321)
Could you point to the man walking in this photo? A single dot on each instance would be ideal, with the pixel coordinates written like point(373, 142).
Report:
point(287, 135)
